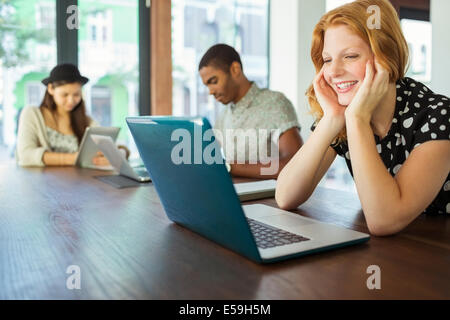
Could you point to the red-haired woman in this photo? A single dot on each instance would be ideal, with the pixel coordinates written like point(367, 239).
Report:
point(393, 131)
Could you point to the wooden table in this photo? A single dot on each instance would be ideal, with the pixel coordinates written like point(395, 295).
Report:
point(126, 248)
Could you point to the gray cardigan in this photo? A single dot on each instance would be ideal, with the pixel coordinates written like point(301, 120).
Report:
point(32, 139)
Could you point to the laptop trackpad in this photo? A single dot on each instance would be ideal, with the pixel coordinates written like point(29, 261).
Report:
point(284, 220)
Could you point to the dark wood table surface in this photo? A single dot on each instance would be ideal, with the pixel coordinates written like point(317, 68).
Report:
point(126, 248)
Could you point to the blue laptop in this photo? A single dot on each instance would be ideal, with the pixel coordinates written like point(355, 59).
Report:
point(186, 166)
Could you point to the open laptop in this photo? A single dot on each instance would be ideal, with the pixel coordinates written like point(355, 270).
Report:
point(88, 148)
point(118, 160)
point(202, 198)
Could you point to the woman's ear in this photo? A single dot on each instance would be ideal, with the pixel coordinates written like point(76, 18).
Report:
point(50, 89)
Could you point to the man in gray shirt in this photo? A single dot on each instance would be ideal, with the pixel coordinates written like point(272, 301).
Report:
point(258, 130)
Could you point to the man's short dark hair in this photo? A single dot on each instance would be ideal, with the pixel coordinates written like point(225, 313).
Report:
point(220, 56)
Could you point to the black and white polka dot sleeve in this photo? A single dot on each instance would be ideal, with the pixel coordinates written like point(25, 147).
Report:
point(434, 122)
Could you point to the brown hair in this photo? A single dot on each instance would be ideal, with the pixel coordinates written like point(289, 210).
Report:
point(79, 120)
point(387, 43)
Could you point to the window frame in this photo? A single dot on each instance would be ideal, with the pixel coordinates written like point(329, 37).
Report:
point(67, 46)
point(155, 70)
point(163, 24)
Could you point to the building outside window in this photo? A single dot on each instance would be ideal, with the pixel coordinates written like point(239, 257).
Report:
point(27, 54)
point(101, 105)
point(34, 93)
point(418, 34)
point(199, 24)
point(108, 56)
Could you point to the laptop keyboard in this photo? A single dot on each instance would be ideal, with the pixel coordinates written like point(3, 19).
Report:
point(268, 237)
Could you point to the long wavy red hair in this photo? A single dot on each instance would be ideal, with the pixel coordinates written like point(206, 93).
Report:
point(387, 43)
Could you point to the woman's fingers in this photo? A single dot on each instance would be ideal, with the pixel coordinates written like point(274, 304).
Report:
point(369, 72)
point(368, 80)
point(381, 71)
point(320, 84)
point(319, 77)
point(381, 78)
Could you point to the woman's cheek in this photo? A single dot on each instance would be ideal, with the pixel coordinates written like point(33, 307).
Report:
point(59, 100)
point(360, 70)
point(327, 77)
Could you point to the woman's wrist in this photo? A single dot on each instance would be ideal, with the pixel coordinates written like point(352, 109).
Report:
point(69, 159)
point(332, 125)
point(352, 119)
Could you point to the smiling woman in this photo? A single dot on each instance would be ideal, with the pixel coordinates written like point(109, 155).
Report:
point(387, 127)
point(344, 69)
point(361, 45)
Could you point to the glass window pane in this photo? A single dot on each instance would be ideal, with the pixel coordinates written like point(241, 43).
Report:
point(109, 56)
point(27, 54)
point(199, 24)
point(418, 34)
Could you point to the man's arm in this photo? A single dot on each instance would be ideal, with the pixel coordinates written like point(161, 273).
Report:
point(289, 143)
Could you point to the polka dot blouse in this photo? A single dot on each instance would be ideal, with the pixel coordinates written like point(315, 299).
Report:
point(420, 116)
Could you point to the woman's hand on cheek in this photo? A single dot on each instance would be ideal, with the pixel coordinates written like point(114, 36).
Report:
point(328, 100)
point(370, 93)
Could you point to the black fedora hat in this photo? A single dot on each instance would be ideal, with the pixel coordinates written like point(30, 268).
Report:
point(65, 72)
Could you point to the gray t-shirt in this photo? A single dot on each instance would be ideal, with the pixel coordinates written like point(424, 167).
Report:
point(249, 130)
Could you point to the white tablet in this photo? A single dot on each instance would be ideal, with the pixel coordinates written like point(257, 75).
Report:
point(88, 148)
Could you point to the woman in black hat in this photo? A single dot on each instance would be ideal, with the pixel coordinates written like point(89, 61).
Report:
point(50, 135)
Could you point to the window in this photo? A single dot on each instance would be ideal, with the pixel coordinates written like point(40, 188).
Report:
point(108, 54)
point(105, 34)
point(94, 33)
point(27, 54)
point(1, 113)
point(34, 93)
point(199, 24)
point(100, 22)
point(418, 34)
point(101, 105)
point(45, 15)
